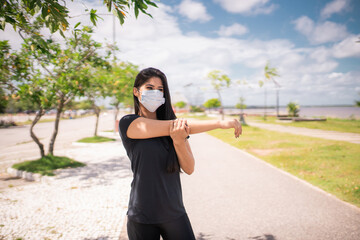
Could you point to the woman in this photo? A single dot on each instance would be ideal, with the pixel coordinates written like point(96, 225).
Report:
point(156, 143)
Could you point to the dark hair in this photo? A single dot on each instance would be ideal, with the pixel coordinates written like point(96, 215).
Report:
point(164, 112)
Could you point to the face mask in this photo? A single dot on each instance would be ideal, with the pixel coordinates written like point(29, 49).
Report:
point(152, 99)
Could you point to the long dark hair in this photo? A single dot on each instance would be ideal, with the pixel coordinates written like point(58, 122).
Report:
point(164, 112)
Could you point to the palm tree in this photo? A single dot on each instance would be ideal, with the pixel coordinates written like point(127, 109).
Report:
point(270, 73)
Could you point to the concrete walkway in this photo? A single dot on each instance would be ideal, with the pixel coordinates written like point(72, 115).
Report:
point(332, 135)
point(81, 203)
point(233, 195)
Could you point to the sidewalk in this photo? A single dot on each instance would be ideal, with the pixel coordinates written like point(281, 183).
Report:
point(332, 135)
point(79, 203)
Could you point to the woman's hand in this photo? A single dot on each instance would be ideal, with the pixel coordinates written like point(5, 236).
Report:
point(179, 130)
point(234, 123)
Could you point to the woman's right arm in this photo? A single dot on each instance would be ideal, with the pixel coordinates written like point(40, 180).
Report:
point(142, 128)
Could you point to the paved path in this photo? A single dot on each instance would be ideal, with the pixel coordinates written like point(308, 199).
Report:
point(81, 203)
point(233, 195)
point(332, 135)
point(16, 145)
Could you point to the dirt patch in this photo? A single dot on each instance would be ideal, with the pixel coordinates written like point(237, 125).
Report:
point(265, 152)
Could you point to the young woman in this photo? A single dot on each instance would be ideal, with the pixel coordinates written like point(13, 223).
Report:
point(156, 143)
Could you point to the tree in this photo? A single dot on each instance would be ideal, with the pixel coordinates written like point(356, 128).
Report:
point(219, 81)
point(54, 14)
point(240, 104)
point(269, 74)
point(212, 103)
point(54, 78)
point(180, 104)
point(119, 87)
point(293, 109)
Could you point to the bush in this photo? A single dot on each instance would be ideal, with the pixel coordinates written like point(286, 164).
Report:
point(5, 124)
point(196, 109)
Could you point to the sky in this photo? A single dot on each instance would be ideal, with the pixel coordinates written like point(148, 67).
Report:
point(312, 44)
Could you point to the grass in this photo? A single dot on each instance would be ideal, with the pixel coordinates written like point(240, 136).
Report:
point(190, 115)
point(96, 139)
point(47, 164)
point(333, 166)
point(332, 124)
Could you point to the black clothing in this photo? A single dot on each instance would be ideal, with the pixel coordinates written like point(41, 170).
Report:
point(156, 195)
point(179, 229)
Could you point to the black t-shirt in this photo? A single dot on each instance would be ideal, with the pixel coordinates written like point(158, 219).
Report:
point(156, 195)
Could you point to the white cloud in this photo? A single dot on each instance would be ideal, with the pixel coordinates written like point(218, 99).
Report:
point(349, 47)
point(305, 73)
point(235, 29)
point(335, 6)
point(193, 10)
point(247, 6)
point(322, 32)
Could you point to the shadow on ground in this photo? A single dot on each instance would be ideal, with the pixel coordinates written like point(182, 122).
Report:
point(101, 173)
point(265, 237)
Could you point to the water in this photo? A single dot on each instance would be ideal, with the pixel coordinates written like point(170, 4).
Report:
point(333, 112)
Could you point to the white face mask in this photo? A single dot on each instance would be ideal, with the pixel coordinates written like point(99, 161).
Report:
point(152, 99)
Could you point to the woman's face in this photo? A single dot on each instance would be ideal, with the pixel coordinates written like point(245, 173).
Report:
point(153, 83)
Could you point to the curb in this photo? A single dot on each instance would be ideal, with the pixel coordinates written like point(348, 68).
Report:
point(36, 177)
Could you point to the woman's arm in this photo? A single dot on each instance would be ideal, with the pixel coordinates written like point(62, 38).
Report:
point(196, 126)
point(178, 132)
point(142, 128)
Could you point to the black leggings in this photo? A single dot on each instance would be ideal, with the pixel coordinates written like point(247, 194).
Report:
point(179, 229)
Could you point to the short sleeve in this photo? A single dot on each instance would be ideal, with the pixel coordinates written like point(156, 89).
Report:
point(124, 124)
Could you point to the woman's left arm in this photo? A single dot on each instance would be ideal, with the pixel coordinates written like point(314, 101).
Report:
point(178, 132)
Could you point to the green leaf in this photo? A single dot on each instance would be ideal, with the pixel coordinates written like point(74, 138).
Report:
point(10, 20)
point(2, 26)
point(120, 16)
point(44, 11)
point(62, 34)
point(136, 11)
point(76, 25)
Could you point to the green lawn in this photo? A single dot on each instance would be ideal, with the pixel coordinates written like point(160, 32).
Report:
point(333, 124)
point(96, 139)
point(192, 115)
point(47, 164)
point(333, 166)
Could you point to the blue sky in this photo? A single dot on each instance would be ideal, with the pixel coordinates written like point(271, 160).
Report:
point(312, 43)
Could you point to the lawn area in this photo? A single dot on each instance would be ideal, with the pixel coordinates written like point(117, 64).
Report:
point(96, 139)
point(332, 124)
point(333, 166)
point(47, 164)
point(196, 116)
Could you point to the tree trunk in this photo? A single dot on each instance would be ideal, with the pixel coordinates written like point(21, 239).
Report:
point(265, 101)
point(57, 120)
point(221, 105)
point(39, 114)
point(97, 112)
point(115, 117)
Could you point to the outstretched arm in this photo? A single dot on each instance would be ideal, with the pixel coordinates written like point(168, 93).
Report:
point(196, 126)
point(142, 128)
